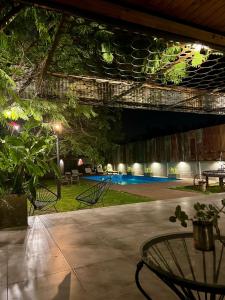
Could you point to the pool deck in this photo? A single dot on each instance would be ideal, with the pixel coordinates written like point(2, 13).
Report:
point(157, 191)
point(88, 254)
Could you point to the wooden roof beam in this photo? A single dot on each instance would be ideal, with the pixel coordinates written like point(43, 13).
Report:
point(118, 12)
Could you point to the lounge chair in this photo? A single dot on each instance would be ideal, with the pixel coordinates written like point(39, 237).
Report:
point(75, 176)
point(111, 171)
point(100, 170)
point(200, 182)
point(67, 178)
point(88, 171)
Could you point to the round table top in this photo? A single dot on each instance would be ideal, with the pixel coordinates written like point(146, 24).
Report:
point(214, 173)
point(174, 257)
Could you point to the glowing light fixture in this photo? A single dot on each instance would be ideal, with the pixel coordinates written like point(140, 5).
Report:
point(57, 127)
point(198, 47)
point(15, 126)
point(80, 162)
point(61, 165)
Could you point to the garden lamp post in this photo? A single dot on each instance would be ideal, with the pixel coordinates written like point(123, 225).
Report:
point(57, 127)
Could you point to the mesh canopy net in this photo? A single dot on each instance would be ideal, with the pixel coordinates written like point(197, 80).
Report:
point(119, 67)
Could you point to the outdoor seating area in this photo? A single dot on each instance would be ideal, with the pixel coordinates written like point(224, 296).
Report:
point(71, 177)
point(112, 150)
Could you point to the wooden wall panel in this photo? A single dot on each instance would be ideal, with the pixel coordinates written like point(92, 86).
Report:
point(202, 144)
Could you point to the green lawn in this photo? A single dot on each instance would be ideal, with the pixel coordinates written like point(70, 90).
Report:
point(69, 192)
point(191, 188)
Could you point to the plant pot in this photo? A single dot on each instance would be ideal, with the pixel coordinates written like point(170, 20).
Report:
point(172, 175)
point(203, 235)
point(148, 174)
point(13, 211)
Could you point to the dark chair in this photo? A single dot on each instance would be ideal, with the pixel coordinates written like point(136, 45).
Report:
point(67, 178)
point(75, 176)
point(42, 199)
point(200, 182)
point(94, 194)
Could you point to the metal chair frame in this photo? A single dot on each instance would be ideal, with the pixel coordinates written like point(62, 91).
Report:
point(94, 194)
point(185, 289)
point(44, 199)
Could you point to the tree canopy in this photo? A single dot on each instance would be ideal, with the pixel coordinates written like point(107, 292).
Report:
point(34, 43)
point(28, 44)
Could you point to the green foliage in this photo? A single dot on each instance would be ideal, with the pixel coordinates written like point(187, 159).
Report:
point(106, 54)
point(198, 59)
point(129, 169)
point(176, 73)
point(203, 213)
point(173, 170)
point(25, 157)
point(148, 170)
point(160, 60)
point(83, 43)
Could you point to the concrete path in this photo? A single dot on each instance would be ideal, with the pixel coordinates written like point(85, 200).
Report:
point(87, 254)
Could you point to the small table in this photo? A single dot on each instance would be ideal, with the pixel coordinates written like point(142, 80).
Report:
point(214, 173)
point(190, 273)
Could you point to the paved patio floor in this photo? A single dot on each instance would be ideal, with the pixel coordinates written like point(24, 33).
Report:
point(158, 190)
point(87, 254)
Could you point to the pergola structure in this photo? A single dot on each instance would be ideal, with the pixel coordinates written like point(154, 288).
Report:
point(137, 68)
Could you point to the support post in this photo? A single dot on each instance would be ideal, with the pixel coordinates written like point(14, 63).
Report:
point(58, 164)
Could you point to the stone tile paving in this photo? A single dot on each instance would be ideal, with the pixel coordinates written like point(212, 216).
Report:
point(86, 254)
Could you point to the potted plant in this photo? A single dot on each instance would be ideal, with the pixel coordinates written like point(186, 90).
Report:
point(148, 172)
point(173, 173)
point(24, 158)
point(129, 171)
point(204, 220)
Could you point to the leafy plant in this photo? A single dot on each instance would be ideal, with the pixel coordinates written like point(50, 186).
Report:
point(173, 170)
point(176, 73)
point(148, 170)
point(203, 213)
point(129, 169)
point(24, 158)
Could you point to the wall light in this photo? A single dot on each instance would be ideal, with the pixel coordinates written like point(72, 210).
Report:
point(61, 166)
point(121, 168)
point(80, 162)
point(137, 169)
point(15, 126)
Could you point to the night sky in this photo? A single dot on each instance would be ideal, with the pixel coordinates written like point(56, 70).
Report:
point(146, 124)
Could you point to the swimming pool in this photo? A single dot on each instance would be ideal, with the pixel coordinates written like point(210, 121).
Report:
point(130, 179)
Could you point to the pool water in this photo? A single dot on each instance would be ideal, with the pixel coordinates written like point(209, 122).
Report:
point(130, 179)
